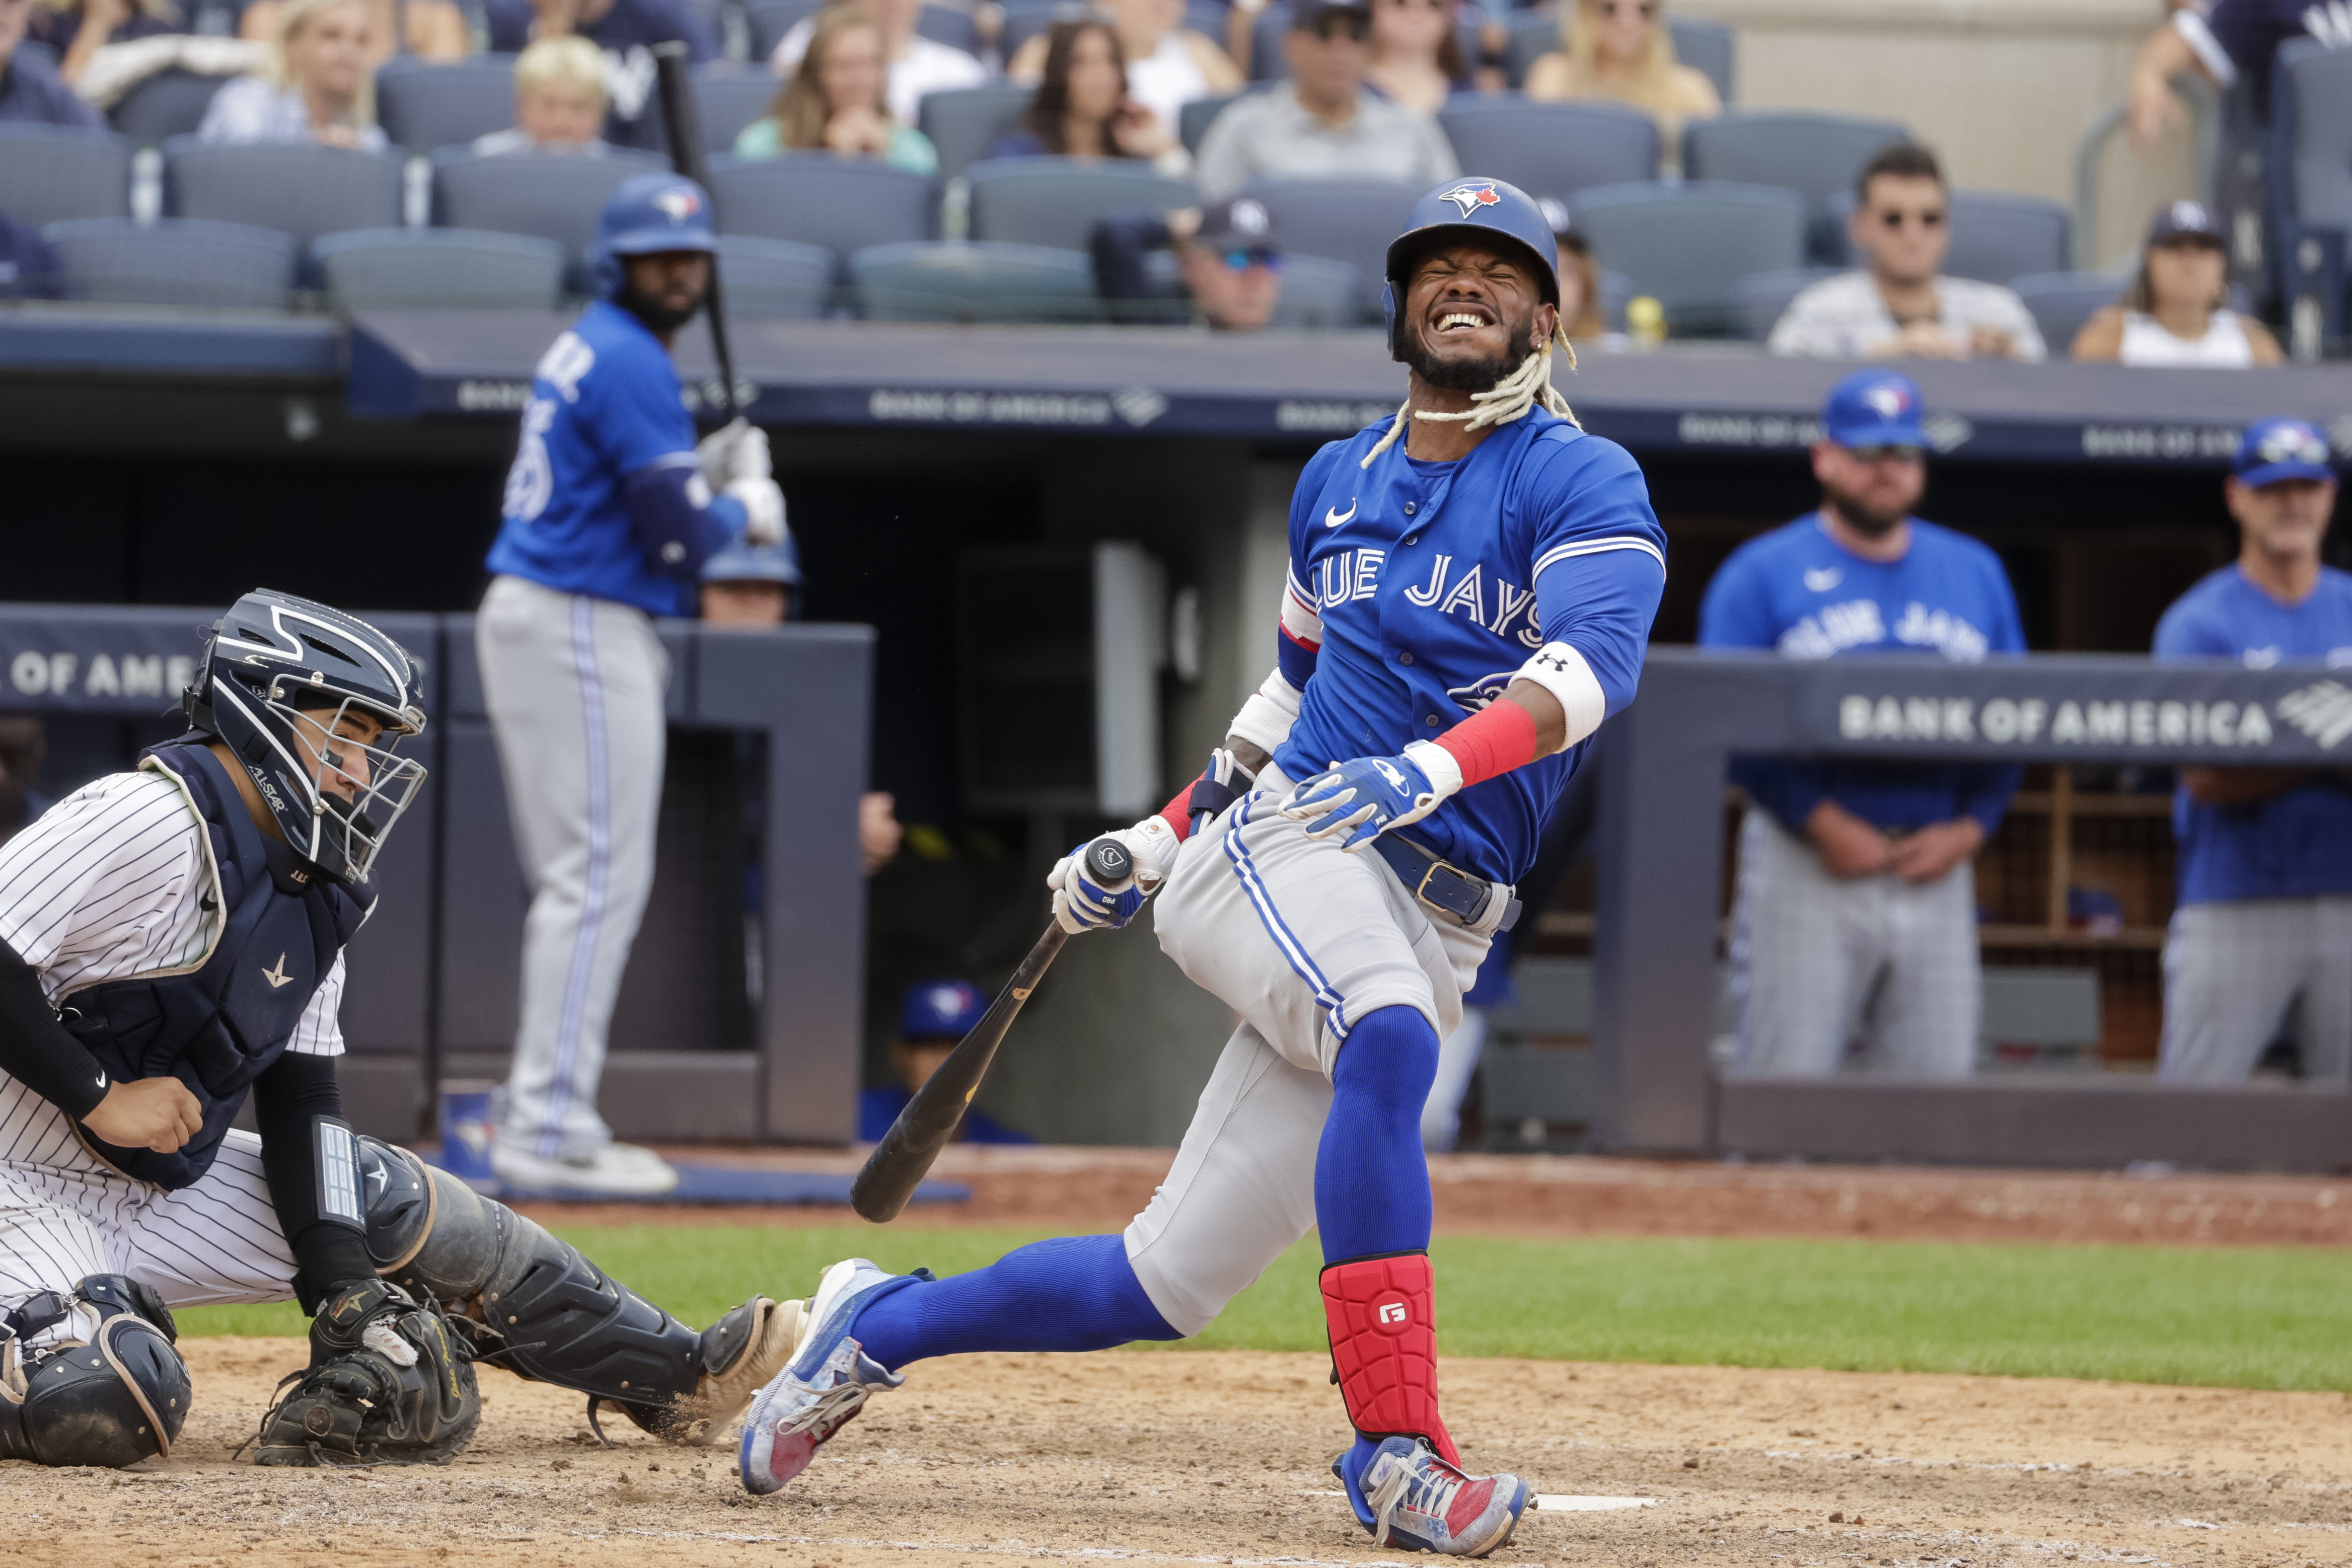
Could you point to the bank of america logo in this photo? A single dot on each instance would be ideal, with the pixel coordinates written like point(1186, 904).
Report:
point(2322, 710)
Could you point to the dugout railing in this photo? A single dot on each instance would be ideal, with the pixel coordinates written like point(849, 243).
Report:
point(1660, 850)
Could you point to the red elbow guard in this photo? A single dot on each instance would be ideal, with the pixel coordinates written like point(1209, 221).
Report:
point(1384, 1346)
point(1494, 740)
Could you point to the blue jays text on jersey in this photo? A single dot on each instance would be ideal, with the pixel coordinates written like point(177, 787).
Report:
point(605, 497)
point(1418, 589)
point(2297, 844)
point(1797, 590)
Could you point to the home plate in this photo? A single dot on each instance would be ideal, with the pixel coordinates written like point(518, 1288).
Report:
point(1558, 1502)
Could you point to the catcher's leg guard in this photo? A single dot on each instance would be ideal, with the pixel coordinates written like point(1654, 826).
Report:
point(112, 1401)
point(539, 1307)
point(1384, 1348)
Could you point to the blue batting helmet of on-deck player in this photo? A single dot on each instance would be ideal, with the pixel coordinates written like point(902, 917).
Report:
point(942, 1009)
point(741, 562)
point(1475, 210)
point(647, 215)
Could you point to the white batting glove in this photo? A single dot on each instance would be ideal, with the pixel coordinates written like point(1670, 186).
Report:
point(764, 510)
point(736, 451)
point(1080, 905)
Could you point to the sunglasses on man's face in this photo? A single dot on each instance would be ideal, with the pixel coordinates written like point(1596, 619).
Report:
point(1876, 455)
point(1927, 218)
point(1355, 30)
point(1613, 9)
point(1242, 259)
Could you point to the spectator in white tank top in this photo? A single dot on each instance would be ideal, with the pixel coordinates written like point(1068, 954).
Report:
point(917, 66)
point(1167, 66)
point(2177, 311)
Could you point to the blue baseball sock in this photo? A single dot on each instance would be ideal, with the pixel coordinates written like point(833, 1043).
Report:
point(1372, 1181)
point(1073, 1292)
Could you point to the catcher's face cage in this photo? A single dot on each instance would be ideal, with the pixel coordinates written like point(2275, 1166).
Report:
point(341, 794)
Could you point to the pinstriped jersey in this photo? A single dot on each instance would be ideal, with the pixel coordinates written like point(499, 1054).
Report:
point(116, 882)
point(1417, 590)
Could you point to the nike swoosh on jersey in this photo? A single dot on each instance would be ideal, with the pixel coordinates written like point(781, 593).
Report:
point(1333, 517)
point(1820, 580)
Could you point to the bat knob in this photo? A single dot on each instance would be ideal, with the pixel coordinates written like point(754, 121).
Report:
point(1109, 863)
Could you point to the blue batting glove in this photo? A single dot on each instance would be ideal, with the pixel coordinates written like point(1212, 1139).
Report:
point(1355, 803)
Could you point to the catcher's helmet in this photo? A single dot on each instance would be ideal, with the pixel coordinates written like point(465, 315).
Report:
point(649, 213)
point(1477, 210)
point(278, 674)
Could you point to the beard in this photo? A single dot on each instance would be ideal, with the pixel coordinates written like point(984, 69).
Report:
point(1864, 517)
point(656, 316)
point(1476, 375)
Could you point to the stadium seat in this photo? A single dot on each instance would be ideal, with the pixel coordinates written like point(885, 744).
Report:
point(983, 281)
point(167, 104)
point(1056, 202)
point(1025, 19)
point(1267, 62)
point(1351, 221)
point(2062, 302)
point(1764, 296)
point(775, 279)
point(1816, 155)
point(1706, 48)
point(49, 172)
point(1320, 295)
point(727, 98)
point(1534, 34)
point(1995, 235)
point(1551, 149)
point(295, 187)
point(771, 19)
point(1193, 121)
point(1688, 246)
point(440, 270)
point(425, 105)
point(947, 25)
point(547, 196)
point(841, 203)
point(175, 261)
point(964, 123)
point(2316, 101)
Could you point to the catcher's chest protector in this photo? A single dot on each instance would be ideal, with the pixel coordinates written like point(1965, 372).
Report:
point(218, 1026)
point(1384, 1346)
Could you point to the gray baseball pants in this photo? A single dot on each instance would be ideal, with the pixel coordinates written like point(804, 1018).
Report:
point(2233, 971)
point(1817, 962)
point(574, 687)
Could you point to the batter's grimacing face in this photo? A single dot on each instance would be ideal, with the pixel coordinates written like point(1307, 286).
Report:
point(1472, 315)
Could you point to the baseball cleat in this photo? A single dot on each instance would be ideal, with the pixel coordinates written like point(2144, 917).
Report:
point(1420, 1503)
point(825, 1383)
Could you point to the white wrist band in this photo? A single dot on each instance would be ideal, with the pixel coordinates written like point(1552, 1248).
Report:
point(1266, 719)
point(1560, 669)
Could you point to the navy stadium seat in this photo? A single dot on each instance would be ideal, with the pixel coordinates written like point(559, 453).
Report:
point(727, 98)
point(425, 105)
point(1706, 48)
point(1320, 295)
point(1025, 19)
point(1551, 149)
point(1193, 121)
point(775, 279)
point(974, 282)
point(176, 261)
point(2063, 302)
point(1343, 220)
point(167, 104)
point(841, 203)
point(1534, 34)
point(1688, 244)
point(547, 196)
point(1056, 202)
point(49, 172)
point(947, 25)
point(1816, 155)
point(1268, 63)
point(1764, 296)
point(2315, 97)
point(295, 187)
point(771, 19)
point(413, 269)
point(964, 124)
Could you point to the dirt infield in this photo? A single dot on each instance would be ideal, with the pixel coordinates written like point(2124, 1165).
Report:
point(1082, 1189)
point(1205, 1457)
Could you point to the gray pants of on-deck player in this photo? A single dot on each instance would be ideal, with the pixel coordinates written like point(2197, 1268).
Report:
point(2233, 972)
point(574, 687)
point(1818, 961)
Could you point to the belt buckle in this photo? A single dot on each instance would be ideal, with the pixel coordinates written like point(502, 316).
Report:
point(1420, 888)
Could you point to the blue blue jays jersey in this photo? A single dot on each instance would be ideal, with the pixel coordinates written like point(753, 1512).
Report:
point(2295, 845)
point(1418, 589)
point(1797, 589)
point(604, 405)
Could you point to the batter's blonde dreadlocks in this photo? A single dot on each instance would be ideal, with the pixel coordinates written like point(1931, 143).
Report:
point(1506, 401)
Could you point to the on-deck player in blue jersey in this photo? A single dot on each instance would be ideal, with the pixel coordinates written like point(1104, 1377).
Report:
point(1857, 899)
point(1470, 590)
point(611, 511)
point(2264, 921)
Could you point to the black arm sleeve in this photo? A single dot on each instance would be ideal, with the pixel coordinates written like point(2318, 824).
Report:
point(288, 1098)
point(35, 1049)
point(1119, 246)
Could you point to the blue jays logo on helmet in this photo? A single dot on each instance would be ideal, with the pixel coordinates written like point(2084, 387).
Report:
point(1474, 209)
point(1470, 196)
point(2278, 449)
point(1889, 400)
point(680, 203)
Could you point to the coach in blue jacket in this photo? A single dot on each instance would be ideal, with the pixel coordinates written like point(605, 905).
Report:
point(1856, 917)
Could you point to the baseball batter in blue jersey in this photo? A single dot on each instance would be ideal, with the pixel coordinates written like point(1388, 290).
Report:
point(611, 510)
point(1470, 590)
point(2263, 927)
point(1856, 914)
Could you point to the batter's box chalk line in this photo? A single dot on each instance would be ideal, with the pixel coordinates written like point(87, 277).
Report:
point(1555, 1503)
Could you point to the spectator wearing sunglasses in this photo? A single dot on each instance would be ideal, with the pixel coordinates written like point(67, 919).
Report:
point(1899, 306)
point(1621, 52)
point(1228, 255)
point(2177, 311)
point(1323, 121)
point(1856, 917)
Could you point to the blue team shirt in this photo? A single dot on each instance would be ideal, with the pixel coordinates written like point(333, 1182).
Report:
point(604, 403)
point(2295, 845)
point(1428, 585)
point(1797, 590)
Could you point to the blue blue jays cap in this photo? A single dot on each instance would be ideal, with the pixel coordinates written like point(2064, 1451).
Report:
point(741, 562)
point(653, 213)
point(1470, 210)
point(2274, 450)
point(1874, 408)
point(942, 1009)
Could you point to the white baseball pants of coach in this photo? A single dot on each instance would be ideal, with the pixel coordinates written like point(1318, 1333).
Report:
point(574, 687)
point(1818, 960)
point(2232, 971)
point(1302, 939)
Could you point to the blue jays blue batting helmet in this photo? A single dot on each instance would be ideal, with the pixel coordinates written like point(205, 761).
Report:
point(942, 1009)
point(740, 562)
point(1476, 211)
point(649, 213)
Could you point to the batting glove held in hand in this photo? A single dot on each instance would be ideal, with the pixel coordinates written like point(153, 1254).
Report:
point(764, 510)
point(1082, 904)
point(1357, 801)
point(737, 450)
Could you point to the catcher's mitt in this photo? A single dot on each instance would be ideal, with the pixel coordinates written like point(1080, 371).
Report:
point(387, 1384)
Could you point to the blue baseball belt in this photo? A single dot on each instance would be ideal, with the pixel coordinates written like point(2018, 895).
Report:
point(1447, 889)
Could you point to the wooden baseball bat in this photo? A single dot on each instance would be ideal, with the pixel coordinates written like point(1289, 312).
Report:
point(929, 1121)
point(671, 72)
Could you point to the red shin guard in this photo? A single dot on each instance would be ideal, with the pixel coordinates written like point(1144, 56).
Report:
point(1384, 1346)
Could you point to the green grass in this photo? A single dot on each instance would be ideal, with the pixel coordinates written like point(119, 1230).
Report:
point(2238, 1318)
